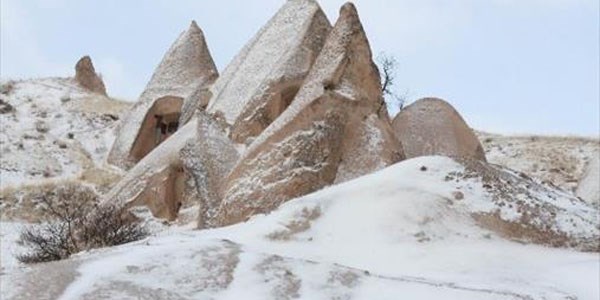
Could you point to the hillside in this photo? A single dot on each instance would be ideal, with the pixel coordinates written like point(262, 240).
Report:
point(376, 235)
point(559, 160)
point(53, 132)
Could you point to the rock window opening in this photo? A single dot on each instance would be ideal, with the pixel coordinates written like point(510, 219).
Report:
point(166, 125)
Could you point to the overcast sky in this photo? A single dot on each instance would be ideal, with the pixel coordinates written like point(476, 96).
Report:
point(509, 66)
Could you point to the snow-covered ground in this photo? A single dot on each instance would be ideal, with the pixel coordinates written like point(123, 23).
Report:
point(398, 233)
point(52, 133)
point(55, 131)
point(560, 160)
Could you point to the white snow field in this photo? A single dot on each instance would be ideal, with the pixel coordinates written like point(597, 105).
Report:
point(395, 234)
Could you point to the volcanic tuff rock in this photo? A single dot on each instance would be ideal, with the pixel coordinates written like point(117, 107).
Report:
point(261, 81)
point(86, 76)
point(335, 129)
point(186, 67)
point(207, 159)
point(589, 184)
point(431, 126)
point(267, 58)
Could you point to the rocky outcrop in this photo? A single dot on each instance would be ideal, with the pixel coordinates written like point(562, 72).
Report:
point(431, 126)
point(207, 159)
point(186, 67)
point(261, 81)
point(335, 129)
point(589, 185)
point(521, 209)
point(255, 78)
point(186, 170)
point(86, 76)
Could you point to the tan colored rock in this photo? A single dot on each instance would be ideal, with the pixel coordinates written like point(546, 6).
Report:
point(335, 129)
point(431, 126)
point(185, 171)
point(280, 54)
point(86, 76)
point(186, 67)
point(261, 81)
point(589, 185)
point(207, 159)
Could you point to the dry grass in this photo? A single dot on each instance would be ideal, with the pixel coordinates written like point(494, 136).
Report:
point(301, 224)
point(24, 202)
point(102, 179)
point(98, 104)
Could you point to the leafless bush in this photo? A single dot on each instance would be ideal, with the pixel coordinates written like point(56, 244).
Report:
point(76, 222)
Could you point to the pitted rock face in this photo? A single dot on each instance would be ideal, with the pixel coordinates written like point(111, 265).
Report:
point(86, 76)
point(274, 62)
point(589, 187)
point(261, 81)
point(185, 68)
point(335, 129)
point(431, 126)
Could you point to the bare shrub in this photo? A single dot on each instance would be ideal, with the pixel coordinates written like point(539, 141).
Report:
point(76, 222)
point(388, 66)
point(6, 107)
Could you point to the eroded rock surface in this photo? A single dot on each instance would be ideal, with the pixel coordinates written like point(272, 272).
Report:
point(431, 126)
point(589, 185)
point(261, 81)
point(335, 129)
point(86, 76)
point(186, 67)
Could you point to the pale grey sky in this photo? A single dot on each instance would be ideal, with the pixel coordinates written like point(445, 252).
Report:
point(509, 66)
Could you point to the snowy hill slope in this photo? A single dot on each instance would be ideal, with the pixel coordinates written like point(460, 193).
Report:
point(560, 160)
point(53, 131)
point(409, 230)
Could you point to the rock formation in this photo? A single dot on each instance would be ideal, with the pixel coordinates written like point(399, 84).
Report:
point(186, 67)
point(261, 81)
point(207, 159)
point(86, 76)
point(335, 129)
point(431, 126)
point(185, 170)
point(266, 64)
point(589, 185)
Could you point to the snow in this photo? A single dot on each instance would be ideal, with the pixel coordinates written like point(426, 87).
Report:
point(556, 159)
point(34, 139)
point(390, 234)
point(589, 185)
point(185, 67)
point(267, 58)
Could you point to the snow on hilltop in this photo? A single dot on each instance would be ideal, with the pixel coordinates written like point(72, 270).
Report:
point(52, 130)
point(559, 160)
point(400, 231)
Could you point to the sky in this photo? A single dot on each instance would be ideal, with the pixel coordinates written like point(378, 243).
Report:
point(508, 66)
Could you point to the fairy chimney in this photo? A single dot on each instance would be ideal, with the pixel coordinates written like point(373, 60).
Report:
point(335, 129)
point(86, 76)
point(186, 66)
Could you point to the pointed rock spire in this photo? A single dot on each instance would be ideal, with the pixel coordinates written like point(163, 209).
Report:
point(86, 76)
point(186, 66)
point(336, 127)
point(253, 90)
point(264, 77)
